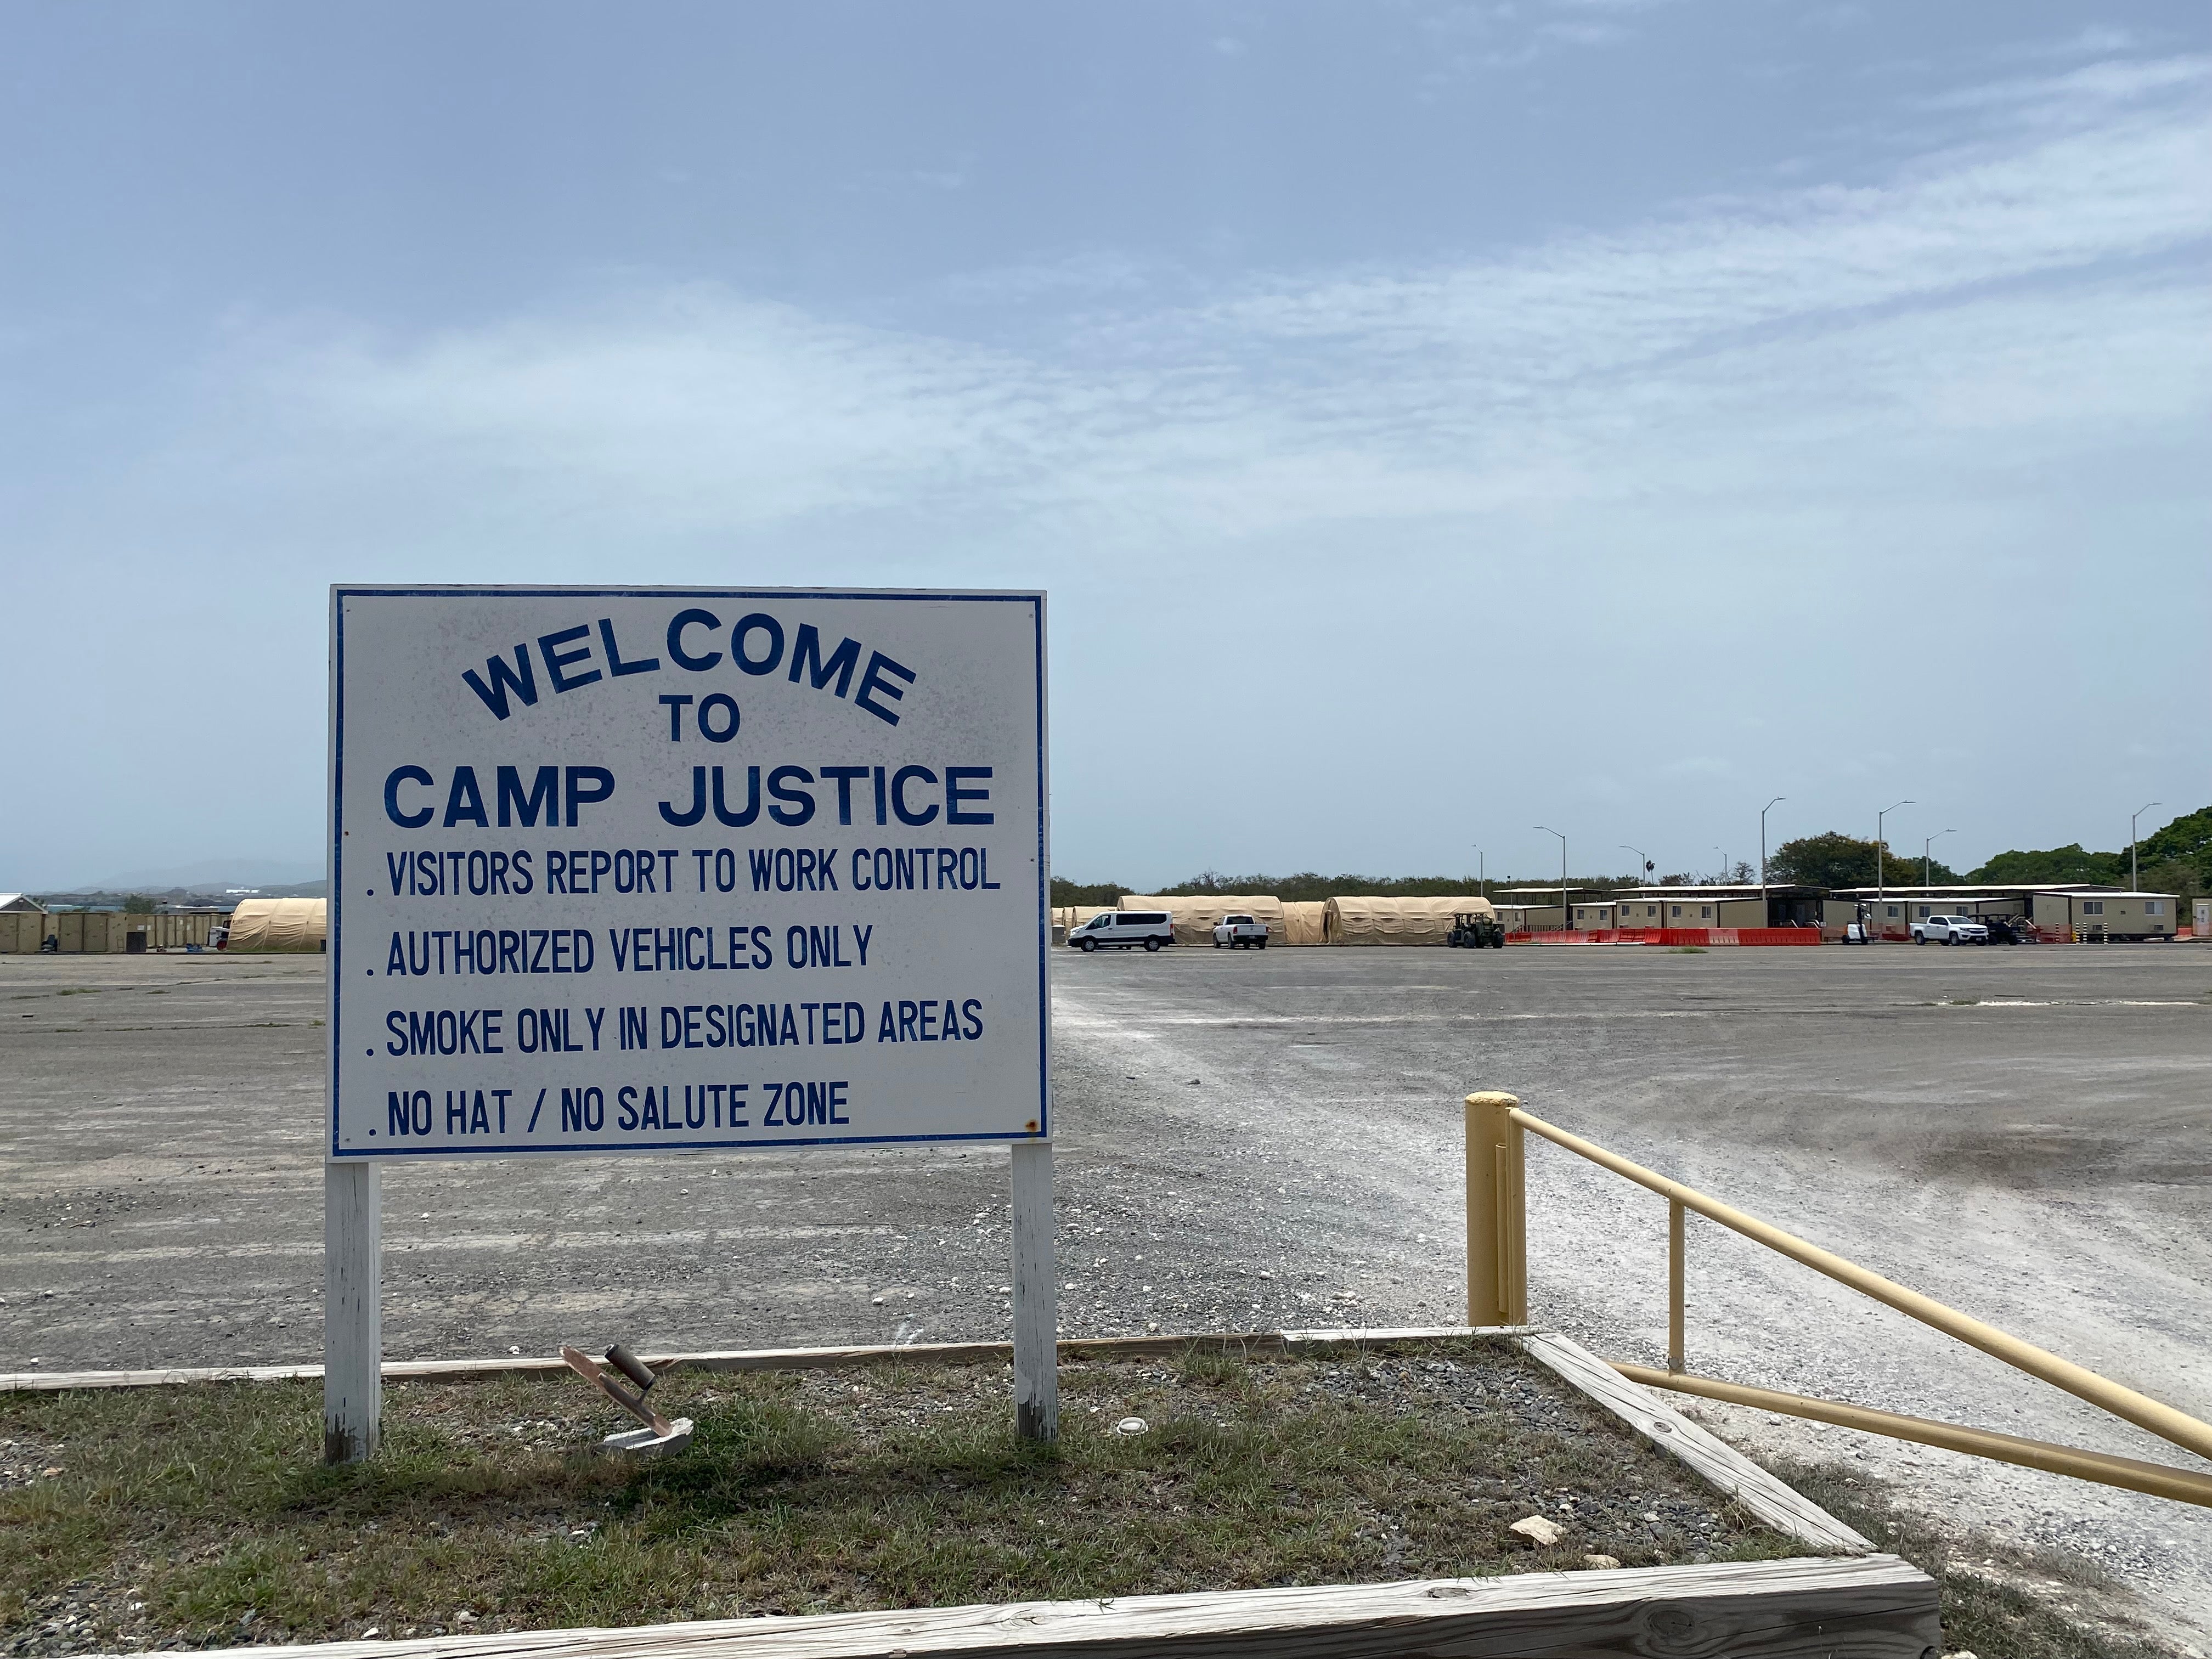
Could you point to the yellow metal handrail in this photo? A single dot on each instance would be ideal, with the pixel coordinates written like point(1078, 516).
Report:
point(1498, 1294)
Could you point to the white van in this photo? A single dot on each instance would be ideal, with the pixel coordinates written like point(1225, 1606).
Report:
point(1121, 929)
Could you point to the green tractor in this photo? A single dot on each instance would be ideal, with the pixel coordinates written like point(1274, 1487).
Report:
point(1473, 929)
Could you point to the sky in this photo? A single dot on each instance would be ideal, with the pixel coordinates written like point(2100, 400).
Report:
point(1429, 421)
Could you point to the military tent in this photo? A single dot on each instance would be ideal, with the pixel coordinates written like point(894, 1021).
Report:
point(281, 924)
point(1395, 921)
point(1303, 923)
point(1195, 913)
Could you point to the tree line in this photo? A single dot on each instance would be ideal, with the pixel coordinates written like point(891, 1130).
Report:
point(2178, 860)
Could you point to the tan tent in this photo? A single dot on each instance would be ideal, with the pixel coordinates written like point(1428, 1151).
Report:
point(1196, 913)
point(1303, 923)
point(283, 924)
point(1395, 921)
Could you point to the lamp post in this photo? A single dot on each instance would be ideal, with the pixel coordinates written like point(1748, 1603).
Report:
point(1764, 902)
point(1926, 842)
point(1648, 868)
point(1548, 830)
point(1724, 865)
point(1880, 893)
point(2135, 881)
point(1482, 869)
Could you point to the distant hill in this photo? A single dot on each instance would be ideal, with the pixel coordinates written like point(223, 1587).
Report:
point(214, 875)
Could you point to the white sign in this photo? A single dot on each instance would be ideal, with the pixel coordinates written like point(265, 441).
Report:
point(651, 870)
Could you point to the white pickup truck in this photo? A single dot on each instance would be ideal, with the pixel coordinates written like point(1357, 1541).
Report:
point(1239, 933)
point(1950, 930)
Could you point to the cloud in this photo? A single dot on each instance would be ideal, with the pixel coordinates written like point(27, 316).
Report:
point(1585, 34)
point(2079, 95)
point(1998, 300)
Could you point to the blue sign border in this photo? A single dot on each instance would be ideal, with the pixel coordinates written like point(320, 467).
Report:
point(339, 594)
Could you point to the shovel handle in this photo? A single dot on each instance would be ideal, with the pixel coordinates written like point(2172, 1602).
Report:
point(580, 1363)
point(632, 1367)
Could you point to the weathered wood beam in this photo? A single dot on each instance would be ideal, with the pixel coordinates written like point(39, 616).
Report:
point(1873, 1607)
point(1255, 1343)
point(1782, 1508)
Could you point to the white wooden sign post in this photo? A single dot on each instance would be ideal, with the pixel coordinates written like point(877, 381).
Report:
point(652, 871)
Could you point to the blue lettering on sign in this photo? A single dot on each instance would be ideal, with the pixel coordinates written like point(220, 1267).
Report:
point(756, 647)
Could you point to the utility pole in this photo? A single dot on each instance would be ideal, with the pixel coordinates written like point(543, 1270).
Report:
point(1926, 842)
point(1548, 830)
point(1881, 891)
point(1482, 868)
point(1764, 902)
point(2135, 880)
point(1648, 868)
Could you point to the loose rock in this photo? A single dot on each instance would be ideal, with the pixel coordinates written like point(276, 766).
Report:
point(1536, 1528)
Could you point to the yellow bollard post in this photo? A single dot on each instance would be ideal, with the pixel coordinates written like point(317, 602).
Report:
point(1674, 1293)
point(1497, 1217)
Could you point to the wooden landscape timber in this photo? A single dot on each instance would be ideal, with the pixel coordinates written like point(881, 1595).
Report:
point(1721, 1465)
point(1243, 1344)
point(1867, 1607)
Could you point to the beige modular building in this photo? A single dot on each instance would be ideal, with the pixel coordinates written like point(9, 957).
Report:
point(2082, 911)
point(24, 927)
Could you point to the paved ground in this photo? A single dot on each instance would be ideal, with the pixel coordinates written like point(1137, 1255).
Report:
point(1247, 1139)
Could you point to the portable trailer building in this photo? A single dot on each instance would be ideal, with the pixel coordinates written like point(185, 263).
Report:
point(2060, 910)
point(1360, 921)
point(1533, 909)
point(22, 923)
point(1778, 904)
point(1195, 913)
point(2102, 917)
point(280, 924)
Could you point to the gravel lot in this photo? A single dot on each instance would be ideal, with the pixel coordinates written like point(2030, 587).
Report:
point(1248, 1140)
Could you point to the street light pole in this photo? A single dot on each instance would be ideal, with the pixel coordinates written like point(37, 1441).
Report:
point(1548, 830)
point(1648, 868)
point(1881, 891)
point(2135, 880)
point(1763, 812)
point(1926, 842)
point(1482, 869)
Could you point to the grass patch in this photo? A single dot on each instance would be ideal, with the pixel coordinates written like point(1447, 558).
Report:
point(195, 1516)
point(1997, 1599)
point(1686, 950)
